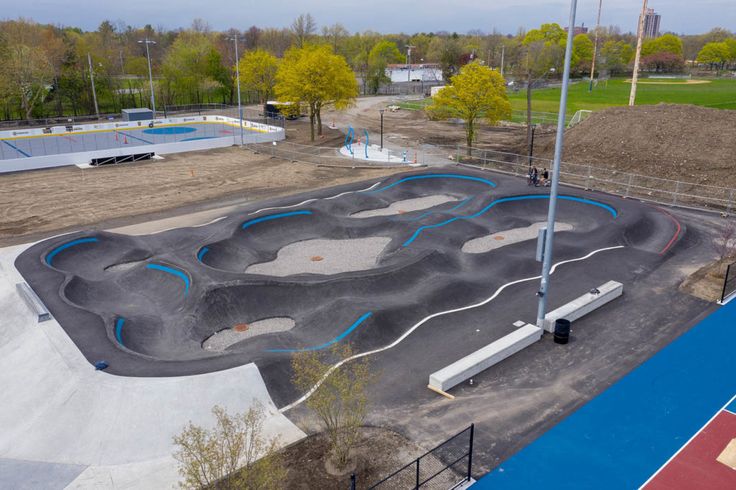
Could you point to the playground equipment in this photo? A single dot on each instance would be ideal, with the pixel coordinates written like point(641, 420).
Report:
point(349, 138)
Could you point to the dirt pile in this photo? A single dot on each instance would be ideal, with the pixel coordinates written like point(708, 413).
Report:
point(678, 142)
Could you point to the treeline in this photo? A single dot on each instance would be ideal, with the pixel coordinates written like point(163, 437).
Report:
point(45, 69)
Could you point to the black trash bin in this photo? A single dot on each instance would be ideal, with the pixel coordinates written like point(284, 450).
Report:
point(562, 331)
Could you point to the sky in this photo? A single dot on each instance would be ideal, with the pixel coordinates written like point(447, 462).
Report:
point(385, 16)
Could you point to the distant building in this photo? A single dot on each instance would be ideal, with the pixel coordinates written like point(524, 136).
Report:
point(425, 72)
point(578, 30)
point(651, 23)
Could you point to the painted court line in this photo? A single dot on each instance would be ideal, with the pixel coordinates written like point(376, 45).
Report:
point(16, 148)
point(688, 442)
point(435, 315)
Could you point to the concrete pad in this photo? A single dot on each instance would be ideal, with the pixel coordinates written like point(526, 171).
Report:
point(482, 359)
point(406, 206)
point(63, 412)
point(323, 257)
point(508, 237)
point(35, 475)
point(728, 455)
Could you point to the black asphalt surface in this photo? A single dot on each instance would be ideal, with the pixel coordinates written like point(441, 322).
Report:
point(90, 286)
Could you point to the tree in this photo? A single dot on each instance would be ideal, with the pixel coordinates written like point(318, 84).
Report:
point(474, 93)
point(544, 53)
point(192, 62)
point(669, 43)
point(303, 27)
point(232, 455)
point(664, 62)
point(383, 53)
point(339, 399)
point(317, 78)
point(582, 52)
point(715, 54)
point(616, 55)
point(258, 73)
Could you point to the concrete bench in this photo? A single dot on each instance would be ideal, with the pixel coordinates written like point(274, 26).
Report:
point(33, 301)
point(584, 304)
point(482, 359)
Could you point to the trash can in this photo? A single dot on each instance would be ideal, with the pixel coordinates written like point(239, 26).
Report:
point(562, 331)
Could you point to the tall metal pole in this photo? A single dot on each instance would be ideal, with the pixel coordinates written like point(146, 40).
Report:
point(635, 78)
point(595, 46)
point(549, 242)
point(381, 111)
point(150, 74)
point(503, 55)
point(237, 77)
point(92, 79)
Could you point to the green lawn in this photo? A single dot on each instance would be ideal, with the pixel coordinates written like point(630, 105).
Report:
point(719, 94)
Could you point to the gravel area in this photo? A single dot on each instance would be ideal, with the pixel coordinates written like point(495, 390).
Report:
point(225, 338)
point(508, 237)
point(323, 257)
point(406, 206)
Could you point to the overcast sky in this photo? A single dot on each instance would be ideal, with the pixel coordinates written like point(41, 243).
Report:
point(409, 16)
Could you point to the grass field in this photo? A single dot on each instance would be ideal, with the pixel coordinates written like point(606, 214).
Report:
point(719, 94)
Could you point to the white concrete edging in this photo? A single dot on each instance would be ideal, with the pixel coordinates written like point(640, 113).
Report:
point(583, 305)
point(482, 359)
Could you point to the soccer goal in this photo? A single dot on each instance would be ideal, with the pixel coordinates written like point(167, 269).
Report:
point(579, 117)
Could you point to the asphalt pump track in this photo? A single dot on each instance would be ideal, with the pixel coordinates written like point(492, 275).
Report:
point(146, 304)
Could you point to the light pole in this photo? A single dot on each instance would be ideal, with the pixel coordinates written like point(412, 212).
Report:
point(381, 111)
point(92, 79)
point(237, 78)
point(549, 237)
point(408, 60)
point(147, 41)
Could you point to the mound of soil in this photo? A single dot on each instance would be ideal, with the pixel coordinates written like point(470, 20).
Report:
point(678, 142)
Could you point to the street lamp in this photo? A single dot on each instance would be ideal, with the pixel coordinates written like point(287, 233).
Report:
point(551, 215)
point(237, 77)
point(381, 111)
point(147, 41)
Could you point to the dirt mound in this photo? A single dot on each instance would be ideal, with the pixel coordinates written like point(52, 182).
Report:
point(678, 142)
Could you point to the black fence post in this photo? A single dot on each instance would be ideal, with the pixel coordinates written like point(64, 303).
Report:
point(470, 453)
point(416, 487)
point(352, 481)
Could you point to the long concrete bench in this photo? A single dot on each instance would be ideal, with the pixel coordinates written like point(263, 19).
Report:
point(482, 359)
point(584, 304)
point(33, 302)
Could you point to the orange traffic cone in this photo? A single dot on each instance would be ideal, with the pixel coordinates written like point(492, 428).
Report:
point(415, 157)
point(116, 136)
point(125, 139)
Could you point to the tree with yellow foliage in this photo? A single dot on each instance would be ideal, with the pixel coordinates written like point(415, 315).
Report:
point(315, 77)
point(476, 93)
point(258, 73)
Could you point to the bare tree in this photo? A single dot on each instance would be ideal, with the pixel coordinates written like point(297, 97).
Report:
point(725, 242)
point(303, 28)
point(338, 396)
point(232, 455)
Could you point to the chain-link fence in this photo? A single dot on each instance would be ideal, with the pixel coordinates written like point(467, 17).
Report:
point(445, 467)
point(590, 177)
point(729, 283)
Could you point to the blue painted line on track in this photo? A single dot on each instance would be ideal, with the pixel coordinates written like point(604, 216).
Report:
point(50, 256)
point(623, 436)
point(252, 222)
point(419, 231)
point(202, 252)
point(435, 176)
point(337, 339)
point(135, 137)
point(16, 148)
point(119, 330)
point(175, 272)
